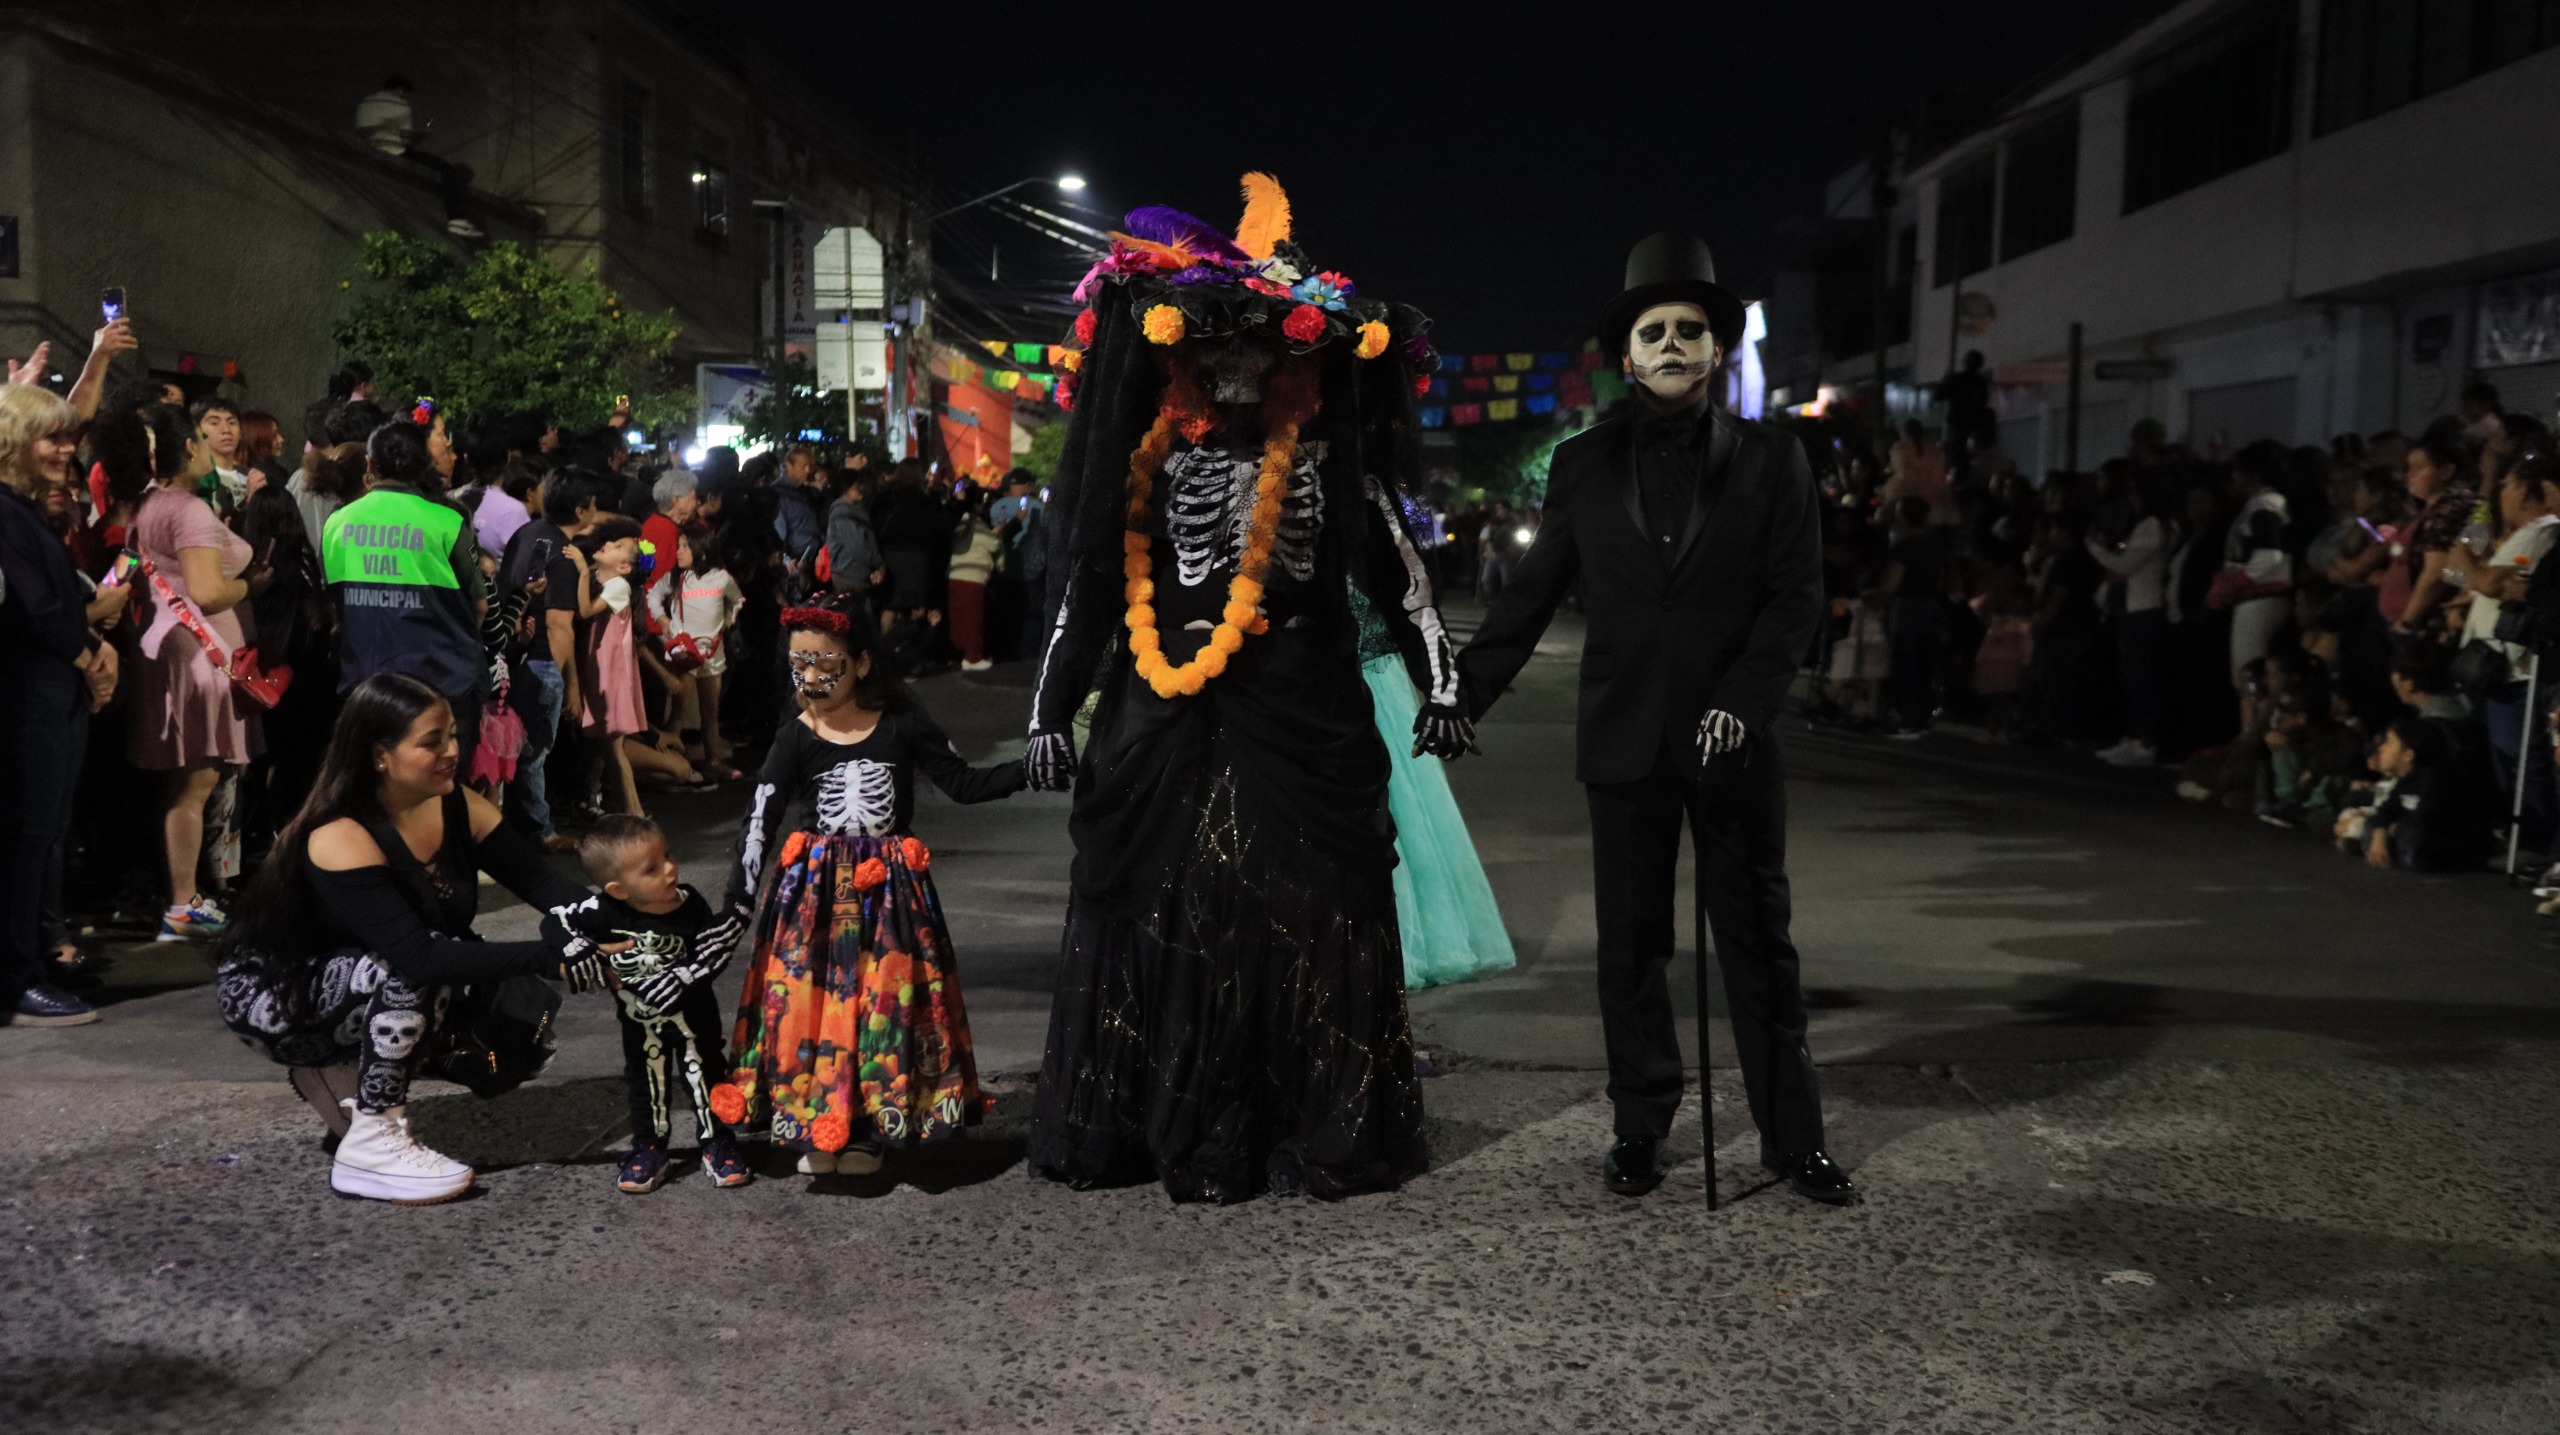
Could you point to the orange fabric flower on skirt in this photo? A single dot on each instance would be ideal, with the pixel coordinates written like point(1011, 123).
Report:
point(872, 873)
point(830, 1132)
point(919, 857)
point(728, 1103)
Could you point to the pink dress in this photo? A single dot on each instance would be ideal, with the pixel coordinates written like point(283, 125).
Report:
point(610, 675)
point(182, 711)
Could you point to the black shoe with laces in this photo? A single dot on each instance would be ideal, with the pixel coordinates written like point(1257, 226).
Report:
point(1634, 1165)
point(1814, 1176)
point(46, 1005)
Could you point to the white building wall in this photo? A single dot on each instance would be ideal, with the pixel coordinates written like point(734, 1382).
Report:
point(2319, 263)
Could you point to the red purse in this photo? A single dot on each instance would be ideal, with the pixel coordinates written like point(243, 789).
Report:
point(265, 687)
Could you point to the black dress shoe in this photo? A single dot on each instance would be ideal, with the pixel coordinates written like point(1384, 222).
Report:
point(44, 1005)
point(1634, 1165)
point(1815, 1176)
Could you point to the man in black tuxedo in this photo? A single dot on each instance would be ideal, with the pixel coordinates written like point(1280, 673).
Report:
point(1695, 538)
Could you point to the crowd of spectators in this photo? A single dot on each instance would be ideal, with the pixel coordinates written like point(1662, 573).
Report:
point(185, 607)
point(2339, 639)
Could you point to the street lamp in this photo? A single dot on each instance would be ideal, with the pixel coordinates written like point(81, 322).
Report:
point(1067, 182)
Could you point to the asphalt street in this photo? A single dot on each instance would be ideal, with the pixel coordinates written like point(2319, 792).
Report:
point(2170, 1121)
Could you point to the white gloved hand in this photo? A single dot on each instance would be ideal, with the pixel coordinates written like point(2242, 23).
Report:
point(1720, 733)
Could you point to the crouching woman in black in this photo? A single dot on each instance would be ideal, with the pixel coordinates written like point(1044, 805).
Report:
point(346, 952)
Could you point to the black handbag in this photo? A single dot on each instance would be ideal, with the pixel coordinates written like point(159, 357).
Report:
point(496, 1035)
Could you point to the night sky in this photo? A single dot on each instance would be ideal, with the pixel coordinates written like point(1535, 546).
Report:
point(1491, 168)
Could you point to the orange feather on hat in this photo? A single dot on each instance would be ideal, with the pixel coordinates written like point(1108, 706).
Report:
point(1266, 216)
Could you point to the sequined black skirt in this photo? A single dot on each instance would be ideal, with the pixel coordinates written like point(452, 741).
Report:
point(1242, 1030)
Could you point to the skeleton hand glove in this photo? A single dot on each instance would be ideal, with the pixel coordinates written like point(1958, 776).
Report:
point(1720, 733)
point(1050, 763)
point(715, 944)
point(661, 993)
point(581, 965)
point(1444, 732)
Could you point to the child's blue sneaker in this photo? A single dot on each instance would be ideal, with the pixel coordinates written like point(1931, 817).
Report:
point(722, 1163)
point(644, 1170)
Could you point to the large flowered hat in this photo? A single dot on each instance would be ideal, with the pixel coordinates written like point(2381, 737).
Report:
point(1182, 278)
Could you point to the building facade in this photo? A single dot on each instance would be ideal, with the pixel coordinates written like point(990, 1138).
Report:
point(601, 132)
point(2279, 219)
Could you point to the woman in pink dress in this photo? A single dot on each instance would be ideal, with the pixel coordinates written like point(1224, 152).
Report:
point(185, 720)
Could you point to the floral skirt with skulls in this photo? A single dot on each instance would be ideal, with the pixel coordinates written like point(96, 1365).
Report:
point(851, 1024)
point(345, 1009)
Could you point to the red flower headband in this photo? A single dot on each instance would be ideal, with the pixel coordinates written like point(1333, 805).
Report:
point(815, 619)
point(424, 414)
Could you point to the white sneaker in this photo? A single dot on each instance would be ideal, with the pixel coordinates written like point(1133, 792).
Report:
point(2129, 753)
point(2195, 792)
point(379, 1160)
point(980, 666)
point(817, 1163)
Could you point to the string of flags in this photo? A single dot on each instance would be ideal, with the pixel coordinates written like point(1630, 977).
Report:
point(1504, 388)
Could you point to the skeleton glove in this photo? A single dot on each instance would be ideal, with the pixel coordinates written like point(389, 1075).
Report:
point(714, 945)
point(1049, 765)
point(581, 965)
point(1720, 733)
point(1444, 732)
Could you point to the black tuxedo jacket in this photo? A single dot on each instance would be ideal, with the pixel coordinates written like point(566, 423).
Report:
point(1718, 621)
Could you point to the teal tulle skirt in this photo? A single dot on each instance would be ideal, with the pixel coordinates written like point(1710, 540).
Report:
point(1452, 929)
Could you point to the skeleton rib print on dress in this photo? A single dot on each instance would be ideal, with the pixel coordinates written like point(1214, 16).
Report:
point(1209, 511)
point(858, 799)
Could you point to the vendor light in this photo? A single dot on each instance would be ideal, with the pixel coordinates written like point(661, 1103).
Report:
point(1071, 182)
point(1524, 535)
point(694, 455)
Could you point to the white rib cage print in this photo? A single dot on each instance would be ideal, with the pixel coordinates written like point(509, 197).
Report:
point(1208, 511)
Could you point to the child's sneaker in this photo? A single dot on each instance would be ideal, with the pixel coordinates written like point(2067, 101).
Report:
point(817, 1163)
point(859, 1159)
point(198, 921)
point(722, 1163)
point(644, 1170)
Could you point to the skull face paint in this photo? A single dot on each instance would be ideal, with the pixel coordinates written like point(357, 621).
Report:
point(817, 671)
point(1671, 354)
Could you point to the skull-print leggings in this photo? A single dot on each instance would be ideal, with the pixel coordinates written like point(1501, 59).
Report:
point(351, 1009)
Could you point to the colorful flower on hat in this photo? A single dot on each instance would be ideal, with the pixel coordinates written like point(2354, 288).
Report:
point(1067, 393)
point(1282, 272)
point(1162, 325)
point(1373, 340)
point(1421, 386)
point(1269, 287)
point(1304, 325)
point(1084, 328)
point(1327, 290)
point(1071, 361)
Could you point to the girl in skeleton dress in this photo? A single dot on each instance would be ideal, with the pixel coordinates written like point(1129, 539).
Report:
point(851, 1033)
point(1230, 1015)
point(347, 945)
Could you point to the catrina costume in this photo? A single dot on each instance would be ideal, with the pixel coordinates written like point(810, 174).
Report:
point(1230, 1014)
point(850, 1025)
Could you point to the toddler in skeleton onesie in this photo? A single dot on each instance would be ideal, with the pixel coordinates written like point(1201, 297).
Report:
point(662, 989)
point(851, 1034)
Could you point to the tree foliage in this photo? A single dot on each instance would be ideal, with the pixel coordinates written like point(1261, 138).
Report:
point(1048, 442)
point(1508, 461)
point(502, 331)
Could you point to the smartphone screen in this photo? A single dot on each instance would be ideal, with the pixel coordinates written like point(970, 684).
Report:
point(111, 302)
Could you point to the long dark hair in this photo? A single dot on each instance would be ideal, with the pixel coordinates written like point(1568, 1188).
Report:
point(270, 924)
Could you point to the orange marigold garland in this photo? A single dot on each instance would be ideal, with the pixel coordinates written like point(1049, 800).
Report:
point(831, 1132)
point(1290, 405)
point(728, 1103)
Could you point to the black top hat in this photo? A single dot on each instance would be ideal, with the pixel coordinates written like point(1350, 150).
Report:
point(1671, 268)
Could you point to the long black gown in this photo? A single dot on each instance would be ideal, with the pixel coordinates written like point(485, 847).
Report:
point(1230, 1015)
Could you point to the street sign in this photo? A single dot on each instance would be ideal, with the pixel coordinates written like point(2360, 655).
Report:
point(2133, 371)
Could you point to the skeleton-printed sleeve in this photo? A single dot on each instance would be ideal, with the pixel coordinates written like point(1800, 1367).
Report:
point(757, 832)
point(1397, 582)
point(937, 759)
point(1085, 611)
point(367, 902)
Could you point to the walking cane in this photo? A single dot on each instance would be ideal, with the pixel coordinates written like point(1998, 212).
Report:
point(1706, 1044)
point(2524, 764)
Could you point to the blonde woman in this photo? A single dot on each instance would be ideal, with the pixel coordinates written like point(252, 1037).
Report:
point(51, 653)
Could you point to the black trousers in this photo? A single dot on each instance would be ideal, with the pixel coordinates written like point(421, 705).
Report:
point(654, 1081)
point(44, 732)
point(1741, 834)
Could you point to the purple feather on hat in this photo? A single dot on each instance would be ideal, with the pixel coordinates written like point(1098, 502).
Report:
point(1164, 225)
